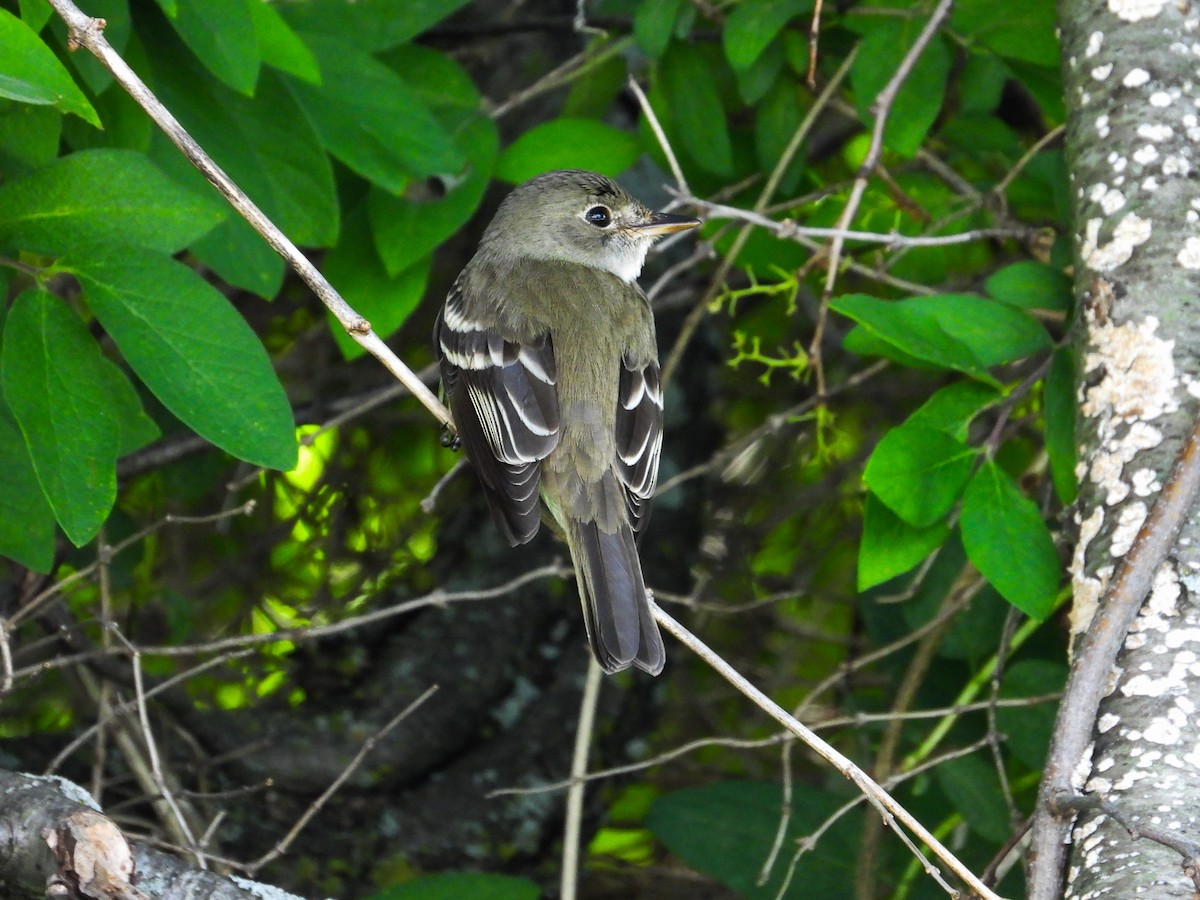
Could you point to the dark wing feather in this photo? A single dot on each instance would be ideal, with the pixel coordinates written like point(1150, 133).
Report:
point(503, 396)
point(639, 430)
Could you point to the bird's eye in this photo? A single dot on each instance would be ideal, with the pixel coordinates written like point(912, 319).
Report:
point(599, 216)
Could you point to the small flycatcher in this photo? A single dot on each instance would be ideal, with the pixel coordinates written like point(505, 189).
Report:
point(550, 367)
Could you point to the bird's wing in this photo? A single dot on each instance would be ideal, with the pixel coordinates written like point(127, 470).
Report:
point(504, 399)
point(639, 435)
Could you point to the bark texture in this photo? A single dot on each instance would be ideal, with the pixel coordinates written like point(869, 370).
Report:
point(1131, 72)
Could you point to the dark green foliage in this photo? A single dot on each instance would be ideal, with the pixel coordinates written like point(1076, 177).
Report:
point(916, 505)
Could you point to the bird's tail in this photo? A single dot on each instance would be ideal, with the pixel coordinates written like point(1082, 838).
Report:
point(620, 625)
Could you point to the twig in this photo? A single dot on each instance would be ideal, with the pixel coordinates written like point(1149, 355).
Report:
point(1095, 659)
point(89, 33)
point(789, 230)
point(368, 745)
point(661, 137)
point(569, 880)
point(882, 107)
point(891, 811)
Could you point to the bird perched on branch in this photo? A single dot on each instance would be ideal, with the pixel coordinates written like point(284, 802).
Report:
point(550, 368)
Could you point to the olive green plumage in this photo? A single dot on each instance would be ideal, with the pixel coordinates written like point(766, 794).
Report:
point(550, 367)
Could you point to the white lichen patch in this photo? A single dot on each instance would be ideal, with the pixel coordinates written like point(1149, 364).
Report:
point(1145, 482)
point(1135, 78)
point(1155, 131)
point(1136, 10)
point(1086, 590)
point(1095, 42)
point(1145, 154)
point(1112, 201)
point(1107, 722)
point(1139, 379)
point(1160, 99)
point(1082, 767)
point(1129, 522)
point(1100, 73)
point(1189, 256)
point(1175, 164)
point(1131, 232)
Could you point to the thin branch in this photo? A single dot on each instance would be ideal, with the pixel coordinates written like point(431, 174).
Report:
point(368, 745)
point(789, 230)
point(1094, 661)
point(661, 137)
point(887, 806)
point(569, 880)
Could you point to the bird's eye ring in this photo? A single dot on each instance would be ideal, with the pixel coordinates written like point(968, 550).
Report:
point(599, 216)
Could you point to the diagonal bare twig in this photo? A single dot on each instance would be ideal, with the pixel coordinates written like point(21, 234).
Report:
point(887, 806)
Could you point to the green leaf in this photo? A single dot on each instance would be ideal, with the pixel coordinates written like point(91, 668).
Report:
point(946, 325)
point(1060, 411)
point(910, 329)
point(435, 77)
point(726, 830)
point(592, 94)
point(752, 26)
point(568, 144)
point(776, 119)
point(32, 73)
point(407, 229)
point(372, 121)
point(1018, 29)
point(919, 100)
point(264, 143)
point(974, 789)
point(279, 46)
point(35, 13)
point(457, 885)
point(221, 34)
point(1027, 730)
point(919, 472)
point(240, 256)
point(1031, 285)
point(695, 109)
point(356, 271)
point(995, 333)
point(26, 519)
point(1007, 540)
point(981, 84)
point(53, 378)
point(653, 21)
point(134, 427)
point(375, 24)
point(29, 137)
point(952, 409)
point(761, 75)
point(109, 195)
point(191, 348)
point(890, 546)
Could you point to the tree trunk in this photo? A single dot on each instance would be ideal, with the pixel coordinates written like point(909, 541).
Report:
point(1130, 72)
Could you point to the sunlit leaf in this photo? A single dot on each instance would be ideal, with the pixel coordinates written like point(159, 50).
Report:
point(1006, 538)
point(919, 472)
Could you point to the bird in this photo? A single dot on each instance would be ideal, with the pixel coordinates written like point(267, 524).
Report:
point(549, 365)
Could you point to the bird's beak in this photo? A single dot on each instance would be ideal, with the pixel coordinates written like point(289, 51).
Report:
point(666, 223)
